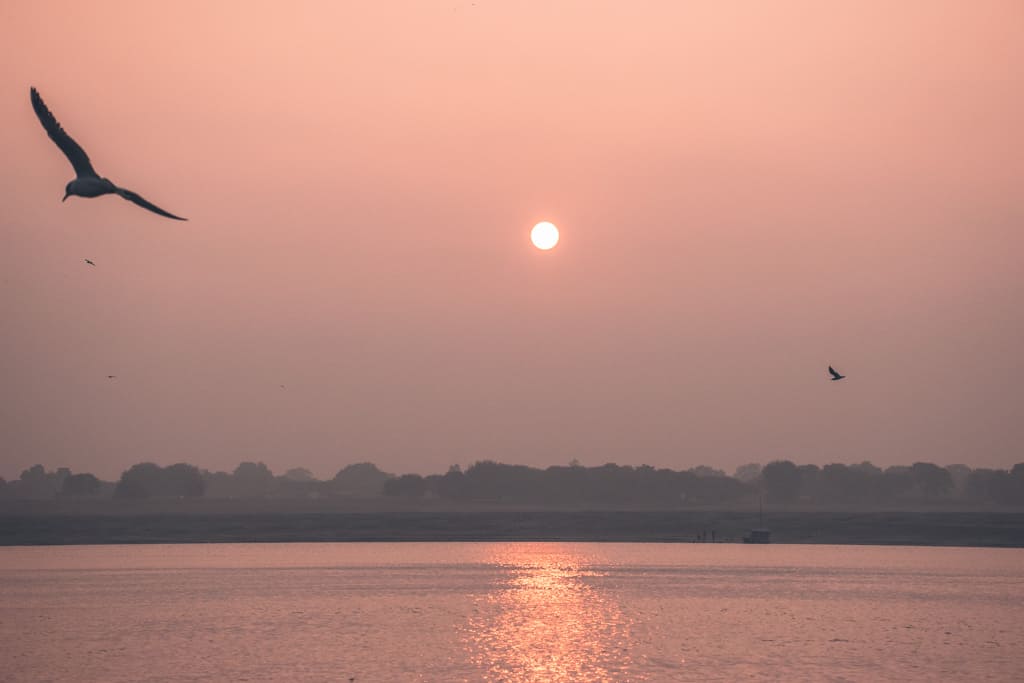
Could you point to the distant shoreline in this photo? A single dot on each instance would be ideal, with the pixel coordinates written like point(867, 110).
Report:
point(913, 528)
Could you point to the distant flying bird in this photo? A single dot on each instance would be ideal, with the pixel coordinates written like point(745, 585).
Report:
point(90, 262)
point(87, 183)
point(111, 376)
point(835, 375)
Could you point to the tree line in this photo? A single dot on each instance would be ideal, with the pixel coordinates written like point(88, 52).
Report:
point(780, 481)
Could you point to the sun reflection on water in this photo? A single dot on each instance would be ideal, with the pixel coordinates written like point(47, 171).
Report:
point(546, 620)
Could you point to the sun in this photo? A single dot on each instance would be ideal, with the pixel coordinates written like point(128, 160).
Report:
point(544, 235)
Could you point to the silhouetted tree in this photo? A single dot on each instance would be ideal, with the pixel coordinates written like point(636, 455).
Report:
point(183, 480)
point(562, 484)
point(139, 481)
point(605, 484)
point(997, 486)
point(705, 471)
point(840, 483)
point(80, 485)
point(748, 473)
point(253, 480)
point(1016, 492)
point(867, 468)
point(959, 475)
point(452, 485)
point(407, 486)
point(933, 481)
point(608, 484)
point(299, 474)
point(897, 483)
point(37, 483)
point(810, 481)
point(715, 490)
point(651, 485)
point(149, 480)
point(218, 484)
point(360, 479)
point(299, 482)
point(781, 481)
point(485, 480)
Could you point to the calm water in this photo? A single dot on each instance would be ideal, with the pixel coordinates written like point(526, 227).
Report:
point(510, 612)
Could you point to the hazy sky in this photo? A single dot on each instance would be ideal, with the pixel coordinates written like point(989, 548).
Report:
point(746, 191)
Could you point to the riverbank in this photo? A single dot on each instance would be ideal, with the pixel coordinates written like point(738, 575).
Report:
point(926, 528)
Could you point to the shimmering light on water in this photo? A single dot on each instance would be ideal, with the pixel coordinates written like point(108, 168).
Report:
point(510, 612)
point(549, 621)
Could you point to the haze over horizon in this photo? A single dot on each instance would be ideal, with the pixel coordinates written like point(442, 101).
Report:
point(745, 196)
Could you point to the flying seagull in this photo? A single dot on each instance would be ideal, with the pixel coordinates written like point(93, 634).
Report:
point(87, 183)
point(835, 375)
point(90, 262)
point(111, 376)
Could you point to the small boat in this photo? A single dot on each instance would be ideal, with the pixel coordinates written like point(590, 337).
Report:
point(758, 536)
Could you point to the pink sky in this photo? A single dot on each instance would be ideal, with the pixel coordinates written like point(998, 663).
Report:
point(747, 192)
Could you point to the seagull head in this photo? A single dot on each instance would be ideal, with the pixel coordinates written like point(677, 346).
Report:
point(67, 190)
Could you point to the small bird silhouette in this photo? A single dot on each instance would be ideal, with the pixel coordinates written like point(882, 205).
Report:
point(111, 376)
point(87, 183)
point(90, 262)
point(835, 375)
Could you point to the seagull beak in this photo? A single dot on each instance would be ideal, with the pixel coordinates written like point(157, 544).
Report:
point(66, 195)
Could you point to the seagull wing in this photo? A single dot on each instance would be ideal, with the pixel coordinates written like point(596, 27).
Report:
point(832, 372)
point(132, 197)
point(75, 154)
